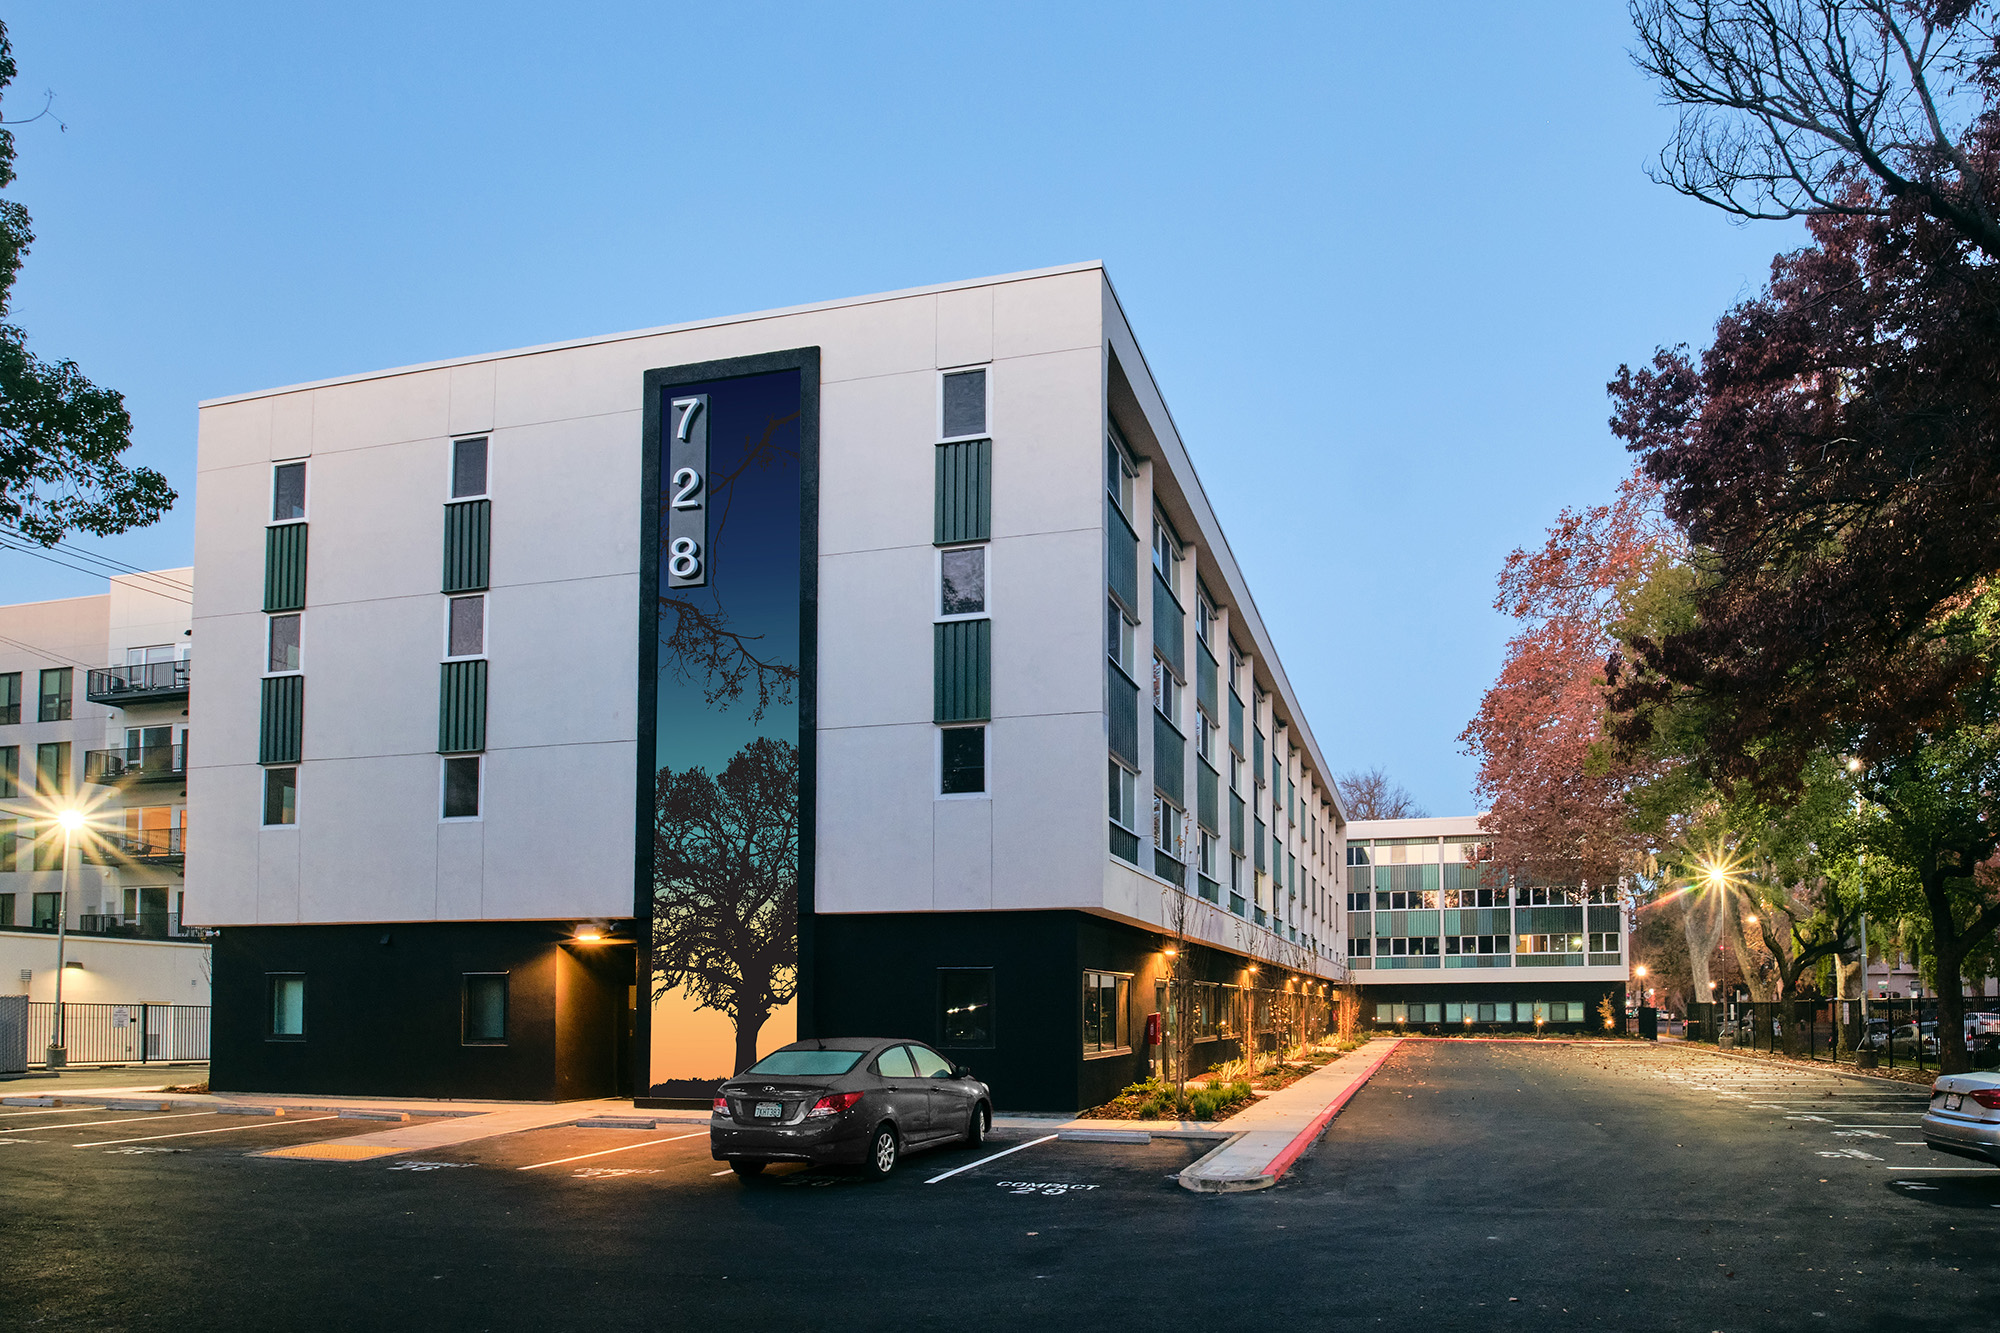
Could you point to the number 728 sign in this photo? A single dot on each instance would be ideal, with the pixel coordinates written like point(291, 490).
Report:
point(687, 492)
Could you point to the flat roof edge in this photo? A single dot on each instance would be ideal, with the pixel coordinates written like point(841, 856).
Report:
point(686, 326)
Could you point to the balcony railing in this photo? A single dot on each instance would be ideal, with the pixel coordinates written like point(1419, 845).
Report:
point(152, 847)
point(138, 926)
point(149, 763)
point(140, 683)
point(129, 926)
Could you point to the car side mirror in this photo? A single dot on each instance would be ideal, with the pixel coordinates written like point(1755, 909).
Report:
point(960, 1071)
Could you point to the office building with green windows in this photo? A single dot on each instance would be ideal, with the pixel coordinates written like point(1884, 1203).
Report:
point(1441, 934)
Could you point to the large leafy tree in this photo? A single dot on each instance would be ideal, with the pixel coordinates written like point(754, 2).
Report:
point(61, 437)
point(1834, 453)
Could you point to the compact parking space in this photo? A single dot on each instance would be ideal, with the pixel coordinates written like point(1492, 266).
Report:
point(136, 1133)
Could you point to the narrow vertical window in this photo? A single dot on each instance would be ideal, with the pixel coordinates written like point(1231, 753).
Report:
point(486, 1009)
point(962, 761)
point(461, 787)
point(288, 1006)
point(468, 468)
point(288, 492)
point(281, 796)
point(284, 655)
point(55, 695)
point(467, 633)
point(52, 768)
point(962, 581)
point(10, 772)
point(964, 404)
point(10, 698)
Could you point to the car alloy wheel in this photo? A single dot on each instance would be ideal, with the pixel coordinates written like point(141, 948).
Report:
point(978, 1125)
point(882, 1152)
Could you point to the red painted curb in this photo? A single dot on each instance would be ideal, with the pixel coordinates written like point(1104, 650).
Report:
point(1282, 1163)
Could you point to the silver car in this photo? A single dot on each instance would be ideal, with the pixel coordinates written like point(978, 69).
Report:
point(1964, 1116)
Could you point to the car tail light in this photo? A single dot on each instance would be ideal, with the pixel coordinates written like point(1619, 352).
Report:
point(1987, 1097)
point(833, 1104)
point(721, 1104)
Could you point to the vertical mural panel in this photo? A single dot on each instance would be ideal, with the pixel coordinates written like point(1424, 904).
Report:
point(727, 626)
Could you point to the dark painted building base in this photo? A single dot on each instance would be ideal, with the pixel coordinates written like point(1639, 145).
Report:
point(881, 975)
point(384, 1011)
point(1375, 1002)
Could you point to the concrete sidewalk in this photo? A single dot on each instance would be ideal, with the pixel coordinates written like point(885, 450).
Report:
point(1271, 1135)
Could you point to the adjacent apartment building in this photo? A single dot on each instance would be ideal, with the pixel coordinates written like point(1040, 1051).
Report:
point(590, 718)
point(1440, 934)
point(94, 716)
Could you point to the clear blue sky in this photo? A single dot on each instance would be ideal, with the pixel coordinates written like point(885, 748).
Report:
point(1382, 258)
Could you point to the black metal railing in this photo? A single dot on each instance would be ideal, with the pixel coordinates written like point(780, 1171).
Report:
point(153, 847)
point(143, 682)
point(1897, 1034)
point(136, 763)
point(138, 926)
point(120, 1033)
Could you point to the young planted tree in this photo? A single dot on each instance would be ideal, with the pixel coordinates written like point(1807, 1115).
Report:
point(725, 887)
point(61, 437)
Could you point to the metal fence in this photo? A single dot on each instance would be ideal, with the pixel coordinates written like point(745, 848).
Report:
point(1897, 1033)
point(121, 1033)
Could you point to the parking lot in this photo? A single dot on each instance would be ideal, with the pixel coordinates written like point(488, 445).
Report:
point(1469, 1185)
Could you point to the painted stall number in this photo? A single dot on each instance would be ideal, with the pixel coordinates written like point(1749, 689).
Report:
point(687, 492)
point(1048, 1187)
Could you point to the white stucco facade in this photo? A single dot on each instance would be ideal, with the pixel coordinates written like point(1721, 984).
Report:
point(555, 835)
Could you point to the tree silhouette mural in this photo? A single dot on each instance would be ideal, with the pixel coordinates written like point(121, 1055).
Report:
point(725, 886)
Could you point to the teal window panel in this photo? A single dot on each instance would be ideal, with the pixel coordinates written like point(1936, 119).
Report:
point(1121, 704)
point(1208, 796)
point(281, 725)
point(1605, 918)
point(462, 707)
point(1235, 723)
point(1125, 844)
point(1169, 761)
point(1121, 558)
point(1257, 842)
point(1548, 920)
point(964, 492)
point(1605, 960)
point(1169, 627)
point(1236, 811)
point(962, 671)
point(468, 545)
point(1206, 674)
point(285, 567)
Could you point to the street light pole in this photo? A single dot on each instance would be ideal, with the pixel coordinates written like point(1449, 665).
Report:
point(1861, 894)
point(58, 1053)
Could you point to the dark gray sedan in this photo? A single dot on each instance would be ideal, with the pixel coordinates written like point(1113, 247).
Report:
point(859, 1100)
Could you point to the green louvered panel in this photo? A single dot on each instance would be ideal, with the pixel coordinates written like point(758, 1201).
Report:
point(1208, 796)
point(1121, 702)
point(468, 545)
point(963, 671)
point(1121, 557)
point(1235, 722)
point(1169, 761)
point(1206, 670)
point(282, 721)
point(1235, 824)
point(1257, 843)
point(285, 567)
point(1605, 918)
point(1169, 627)
point(461, 707)
point(964, 491)
point(1548, 920)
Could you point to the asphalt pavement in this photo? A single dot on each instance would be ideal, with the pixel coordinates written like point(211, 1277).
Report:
point(1468, 1185)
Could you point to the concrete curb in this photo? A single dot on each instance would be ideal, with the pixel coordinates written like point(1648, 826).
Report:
point(1215, 1173)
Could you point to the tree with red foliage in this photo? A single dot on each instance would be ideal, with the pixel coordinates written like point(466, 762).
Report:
point(1555, 791)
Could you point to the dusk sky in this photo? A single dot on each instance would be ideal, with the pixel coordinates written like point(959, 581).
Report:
point(1381, 258)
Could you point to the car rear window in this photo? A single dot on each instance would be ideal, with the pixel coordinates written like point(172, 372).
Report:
point(806, 1062)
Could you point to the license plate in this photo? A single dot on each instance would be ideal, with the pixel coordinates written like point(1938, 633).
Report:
point(768, 1110)
point(1953, 1100)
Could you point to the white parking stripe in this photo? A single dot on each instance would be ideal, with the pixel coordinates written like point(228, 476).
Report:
point(131, 1119)
point(608, 1151)
point(190, 1133)
point(994, 1158)
point(50, 1110)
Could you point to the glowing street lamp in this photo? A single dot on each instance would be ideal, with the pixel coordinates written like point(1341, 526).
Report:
point(71, 821)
